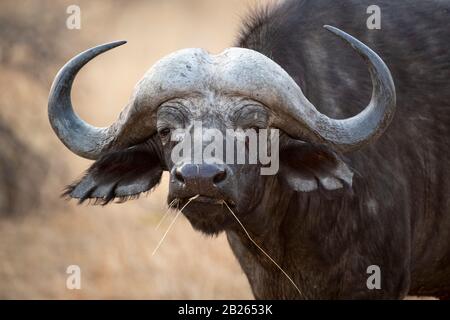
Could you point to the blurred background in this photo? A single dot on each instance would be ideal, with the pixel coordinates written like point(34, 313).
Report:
point(42, 234)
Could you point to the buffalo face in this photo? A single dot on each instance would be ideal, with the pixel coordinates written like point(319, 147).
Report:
point(201, 171)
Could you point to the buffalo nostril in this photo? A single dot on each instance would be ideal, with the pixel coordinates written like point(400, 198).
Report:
point(179, 175)
point(220, 176)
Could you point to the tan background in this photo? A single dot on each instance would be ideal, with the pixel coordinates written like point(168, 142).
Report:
point(112, 244)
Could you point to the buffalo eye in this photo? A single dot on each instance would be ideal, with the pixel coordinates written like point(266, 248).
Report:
point(164, 132)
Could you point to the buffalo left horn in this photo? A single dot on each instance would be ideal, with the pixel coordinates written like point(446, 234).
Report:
point(80, 137)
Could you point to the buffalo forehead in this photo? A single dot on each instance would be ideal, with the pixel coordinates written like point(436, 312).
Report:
point(185, 72)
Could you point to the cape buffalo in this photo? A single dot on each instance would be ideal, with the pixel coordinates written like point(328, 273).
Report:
point(359, 192)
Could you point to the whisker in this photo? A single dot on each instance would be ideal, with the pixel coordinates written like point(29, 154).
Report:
point(166, 214)
point(172, 223)
point(261, 249)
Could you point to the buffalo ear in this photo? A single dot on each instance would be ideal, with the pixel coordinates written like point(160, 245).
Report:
point(118, 175)
point(306, 167)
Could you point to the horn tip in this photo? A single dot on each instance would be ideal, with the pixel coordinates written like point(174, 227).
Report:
point(331, 28)
point(108, 46)
point(119, 42)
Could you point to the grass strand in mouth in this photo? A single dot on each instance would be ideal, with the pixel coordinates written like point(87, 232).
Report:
point(166, 214)
point(261, 249)
point(172, 223)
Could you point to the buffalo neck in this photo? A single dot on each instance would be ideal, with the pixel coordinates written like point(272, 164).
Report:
point(289, 227)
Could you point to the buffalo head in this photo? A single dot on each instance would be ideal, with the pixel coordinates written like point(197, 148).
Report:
point(238, 89)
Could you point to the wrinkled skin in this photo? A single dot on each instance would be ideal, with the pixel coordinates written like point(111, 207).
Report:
point(208, 213)
point(217, 112)
point(323, 231)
